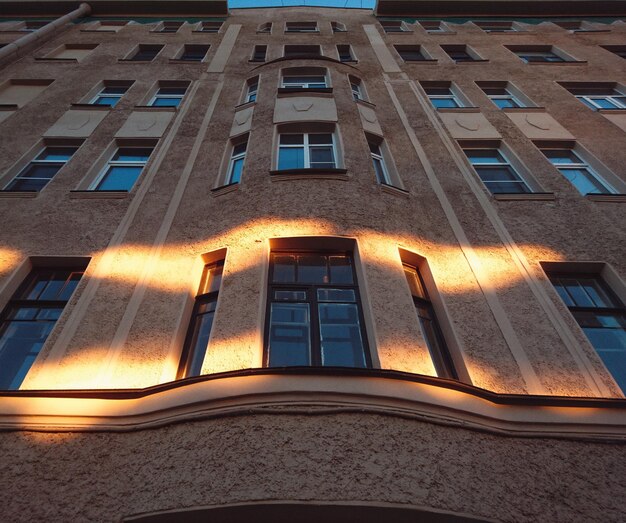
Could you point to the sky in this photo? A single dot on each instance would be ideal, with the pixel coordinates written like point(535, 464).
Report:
point(365, 4)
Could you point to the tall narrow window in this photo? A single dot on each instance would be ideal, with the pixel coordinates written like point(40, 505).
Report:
point(237, 159)
point(252, 89)
point(344, 51)
point(314, 311)
point(600, 314)
point(382, 174)
point(356, 86)
point(495, 171)
point(29, 317)
point(168, 97)
point(199, 331)
point(259, 53)
point(429, 324)
point(36, 175)
point(123, 169)
point(146, 53)
point(306, 151)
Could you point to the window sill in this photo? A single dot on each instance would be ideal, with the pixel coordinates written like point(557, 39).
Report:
point(392, 189)
point(612, 198)
point(155, 108)
point(98, 31)
point(477, 61)
point(299, 91)
point(349, 61)
point(524, 109)
point(365, 103)
point(19, 194)
point(458, 109)
point(180, 61)
point(91, 107)
point(429, 61)
point(567, 62)
point(310, 174)
point(57, 60)
point(244, 105)
point(98, 195)
point(253, 61)
point(205, 32)
point(442, 33)
point(531, 197)
point(225, 189)
point(407, 32)
point(131, 61)
point(612, 111)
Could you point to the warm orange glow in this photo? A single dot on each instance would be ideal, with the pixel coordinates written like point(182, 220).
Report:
point(9, 258)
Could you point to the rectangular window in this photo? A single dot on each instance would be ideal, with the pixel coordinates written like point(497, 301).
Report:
point(194, 53)
point(265, 27)
point(33, 25)
point(598, 95)
point(411, 53)
point(169, 27)
point(237, 159)
point(619, 50)
point(393, 26)
point(146, 53)
point(72, 52)
point(210, 27)
point(345, 53)
point(123, 169)
point(495, 171)
point(496, 27)
point(29, 317)
point(356, 86)
point(382, 174)
point(110, 94)
point(429, 325)
point(304, 82)
point(301, 27)
point(36, 175)
point(338, 27)
point(168, 97)
point(460, 53)
point(306, 151)
point(314, 311)
point(441, 95)
point(578, 172)
point(199, 331)
point(252, 90)
point(259, 53)
point(539, 54)
point(600, 314)
point(433, 26)
point(501, 96)
point(296, 51)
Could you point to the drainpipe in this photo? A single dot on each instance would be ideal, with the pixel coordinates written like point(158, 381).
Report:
point(14, 48)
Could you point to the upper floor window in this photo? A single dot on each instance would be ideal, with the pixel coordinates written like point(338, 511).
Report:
point(380, 168)
point(259, 53)
point(600, 314)
point(394, 26)
point(501, 94)
point(199, 331)
point(441, 95)
point(428, 323)
point(146, 53)
point(167, 96)
point(30, 316)
point(194, 52)
point(169, 27)
point(307, 78)
point(619, 50)
point(496, 27)
point(495, 171)
point(433, 26)
point(110, 93)
point(598, 95)
point(301, 27)
point(539, 54)
point(344, 51)
point(210, 27)
point(302, 51)
point(265, 27)
point(252, 89)
point(123, 169)
point(338, 27)
point(33, 25)
point(306, 151)
point(357, 88)
point(237, 159)
point(42, 168)
point(461, 53)
point(314, 311)
point(576, 170)
point(412, 53)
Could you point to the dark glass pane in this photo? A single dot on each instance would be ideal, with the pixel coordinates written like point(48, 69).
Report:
point(379, 169)
point(240, 148)
point(558, 156)
point(52, 290)
point(41, 170)
point(119, 179)
point(57, 154)
point(507, 187)
point(484, 156)
point(179, 91)
point(284, 268)
point(312, 269)
point(70, 286)
point(496, 174)
point(26, 185)
point(289, 343)
point(320, 139)
point(290, 158)
point(438, 91)
point(166, 102)
point(292, 139)
point(114, 90)
point(22, 313)
point(322, 157)
point(374, 148)
point(132, 154)
point(560, 289)
point(340, 270)
point(336, 295)
point(199, 343)
point(576, 292)
point(290, 295)
point(235, 171)
point(340, 335)
point(106, 100)
point(495, 90)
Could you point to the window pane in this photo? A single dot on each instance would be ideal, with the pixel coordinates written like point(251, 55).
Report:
point(41, 170)
point(235, 172)
point(444, 102)
point(339, 295)
point(119, 178)
point(27, 185)
point(322, 157)
point(515, 187)
point(292, 139)
point(323, 139)
point(340, 335)
point(290, 295)
point(106, 100)
point(484, 156)
point(584, 181)
point(284, 268)
point(379, 169)
point(290, 158)
point(312, 269)
point(200, 342)
point(505, 102)
point(134, 154)
point(166, 102)
point(414, 282)
point(289, 342)
point(558, 156)
point(57, 153)
point(340, 270)
point(496, 174)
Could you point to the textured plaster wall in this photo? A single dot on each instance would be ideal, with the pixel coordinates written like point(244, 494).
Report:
point(328, 457)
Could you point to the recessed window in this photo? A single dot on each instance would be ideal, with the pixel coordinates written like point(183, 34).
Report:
point(259, 53)
point(576, 170)
point(30, 316)
point(394, 26)
point(496, 27)
point(338, 27)
point(429, 324)
point(75, 52)
point(210, 27)
point(33, 25)
point(201, 323)
point(302, 51)
point(265, 28)
point(110, 93)
point(380, 168)
point(20, 92)
point(301, 27)
point(433, 26)
point(194, 52)
point(441, 95)
point(123, 169)
point(314, 311)
point(42, 168)
point(539, 54)
point(345, 53)
point(495, 171)
point(571, 25)
point(237, 159)
point(169, 27)
point(461, 53)
point(619, 50)
point(598, 95)
point(411, 53)
point(168, 96)
point(357, 88)
point(306, 151)
point(308, 78)
point(252, 89)
point(500, 93)
point(600, 314)
point(146, 53)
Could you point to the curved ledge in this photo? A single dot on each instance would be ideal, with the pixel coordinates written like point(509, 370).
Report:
point(315, 391)
point(304, 57)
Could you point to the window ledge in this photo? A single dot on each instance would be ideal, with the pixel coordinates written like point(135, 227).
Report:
point(524, 109)
point(392, 189)
point(60, 60)
point(91, 107)
point(98, 195)
point(298, 91)
point(225, 189)
point(305, 57)
point(310, 174)
point(257, 61)
point(365, 102)
point(19, 194)
point(458, 109)
point(567, 62)
point(155, 108)
point(9, 107)
point(349, 61)
point(613, 198)
point(131, 61)
point(429, 61)
point(98, 31)
point(476, 61)
point(407, 32)
point(244, 105)
point(531, 196)
point(181, 61)
point(442, 33)
point(612, 111)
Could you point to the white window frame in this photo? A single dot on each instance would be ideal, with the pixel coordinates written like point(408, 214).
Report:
point(378, 157)
point(505, 163)
point(100, 94)
point(588, 99)
point(307, 147)
point(507, 96)
point(303, 85)
point(581, 165)
point(114, 163)
point(350, 52)
point(292, 30)
point(357, 90)
point(170, 96)
point(450, 96)
point(250, 91)
point(234, 158)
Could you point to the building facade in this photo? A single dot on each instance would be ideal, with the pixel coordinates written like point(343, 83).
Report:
point(300, 263)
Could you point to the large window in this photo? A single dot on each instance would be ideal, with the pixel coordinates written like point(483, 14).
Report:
point(598, 95)
point(441, 95)
point(123, 169)
point(29, 317)
point(41, 169)
point(495, 171)
point(110, 94)
point(600, 314)
point(237, 159)
point(168, 96)
point(306, 151)
point(429, 324)
point(314, 311)
point(199, 331)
